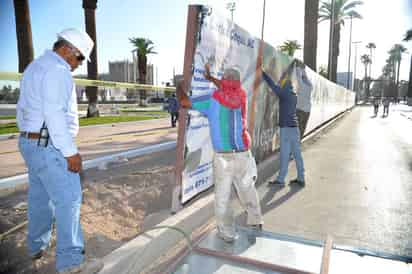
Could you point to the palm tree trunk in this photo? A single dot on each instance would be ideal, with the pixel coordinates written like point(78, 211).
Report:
point(410, 85)
point(397, 79)
point(370, 64)
point(142, 64)
point(366, 81)
point(23, 32)
point(142, 93)
point(335, 52)
point(311, 33)
point(90, 20)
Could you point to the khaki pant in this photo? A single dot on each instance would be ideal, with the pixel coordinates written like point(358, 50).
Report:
point(237, 169)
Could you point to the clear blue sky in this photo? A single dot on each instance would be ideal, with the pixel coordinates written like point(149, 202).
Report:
point(164, 22)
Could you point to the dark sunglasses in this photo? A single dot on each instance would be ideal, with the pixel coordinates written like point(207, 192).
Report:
point(79, 57)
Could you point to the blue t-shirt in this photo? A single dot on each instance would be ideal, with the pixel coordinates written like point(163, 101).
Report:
point(287, 102)
point(227, 126)
point(173, 105)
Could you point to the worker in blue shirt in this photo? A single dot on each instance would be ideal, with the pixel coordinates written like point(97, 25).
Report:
point(288, 124)
point(48, 122)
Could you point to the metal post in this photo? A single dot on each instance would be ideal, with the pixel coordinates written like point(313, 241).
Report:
point(263, 19)
point(231, 6)
point(256, 83)
point(355, 65)
point(350, 49)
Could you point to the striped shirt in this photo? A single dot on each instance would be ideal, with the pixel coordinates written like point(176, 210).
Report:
point(227, 126)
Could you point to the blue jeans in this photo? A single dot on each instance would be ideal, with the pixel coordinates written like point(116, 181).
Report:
point(290, 143)
point(54, 195)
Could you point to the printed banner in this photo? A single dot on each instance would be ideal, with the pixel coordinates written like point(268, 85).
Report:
point(223, 44)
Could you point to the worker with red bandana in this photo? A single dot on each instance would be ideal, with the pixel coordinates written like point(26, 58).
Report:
point(233, 163)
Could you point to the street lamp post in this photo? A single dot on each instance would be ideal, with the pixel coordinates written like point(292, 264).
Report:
point(231, 6)
point(355, 88)
point(350, 51)
point(263, 19)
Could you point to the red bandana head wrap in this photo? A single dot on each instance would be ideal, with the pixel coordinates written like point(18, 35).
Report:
point(230, 94)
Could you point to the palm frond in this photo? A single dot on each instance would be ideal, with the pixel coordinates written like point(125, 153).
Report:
point(408, 35)
point(142, 45)
point(351, 5)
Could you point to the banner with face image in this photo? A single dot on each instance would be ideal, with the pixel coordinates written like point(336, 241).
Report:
point(223, 44)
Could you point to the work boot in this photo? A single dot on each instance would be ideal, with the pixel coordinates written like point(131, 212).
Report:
point(255, 230)
point(226, 238)
point(278, 183)
point(297, 181)
point(91, 266)
point(38, 255)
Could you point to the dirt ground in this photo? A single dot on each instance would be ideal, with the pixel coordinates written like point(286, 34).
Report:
point(118, 203)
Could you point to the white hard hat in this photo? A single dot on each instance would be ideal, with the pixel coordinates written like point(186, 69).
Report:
point(80, 39)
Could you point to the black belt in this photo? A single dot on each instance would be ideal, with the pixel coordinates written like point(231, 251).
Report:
point(30, 135)
point(232, 151)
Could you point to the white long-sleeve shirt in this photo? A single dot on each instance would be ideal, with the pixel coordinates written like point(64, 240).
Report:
point(304, 90)
point(47, 94)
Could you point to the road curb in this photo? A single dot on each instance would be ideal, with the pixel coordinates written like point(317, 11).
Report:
point(101, 162)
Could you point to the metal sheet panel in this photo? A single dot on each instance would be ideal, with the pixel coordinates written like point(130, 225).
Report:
point(254, 245)
point(343, 262)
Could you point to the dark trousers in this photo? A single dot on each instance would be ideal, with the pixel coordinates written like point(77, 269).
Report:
point(385, 110)
point(174, 116)
point(303, 118)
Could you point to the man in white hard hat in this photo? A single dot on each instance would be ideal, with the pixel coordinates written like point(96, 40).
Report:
point(48, 122)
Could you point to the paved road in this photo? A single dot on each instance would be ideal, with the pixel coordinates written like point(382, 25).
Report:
point(96, 141)
point(359, 186)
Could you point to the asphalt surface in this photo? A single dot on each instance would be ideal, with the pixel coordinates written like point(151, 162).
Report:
point(358, 186)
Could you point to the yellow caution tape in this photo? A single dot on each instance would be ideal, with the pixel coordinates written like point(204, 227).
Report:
point(13, 76)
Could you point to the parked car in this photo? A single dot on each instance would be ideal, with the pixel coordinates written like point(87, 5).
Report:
point(152, 100)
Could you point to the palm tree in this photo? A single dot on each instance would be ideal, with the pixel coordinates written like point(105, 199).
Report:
point(310, 43)
point(89, 7)
point(366, 60)
point(143, 47)
point(343, 9)
point(389, 70)
point(23, 32)
point(289, 47)
point(408, 37)
point(396, 53)
point(371, 46)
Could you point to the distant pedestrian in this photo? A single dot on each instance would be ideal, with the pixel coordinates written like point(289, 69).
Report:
point(304, 92)
point(233, 163)
point(386, 102)
point(48, 122)
point(376, 103)
point(288, 123)
point(173, 107)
